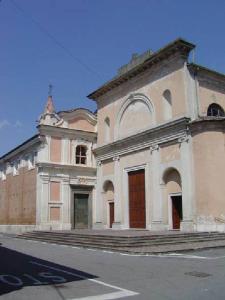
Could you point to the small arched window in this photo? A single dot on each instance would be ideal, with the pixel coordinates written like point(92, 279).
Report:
point(215, 110)
point(167, 105)
point(107, 129)
point(81, 155)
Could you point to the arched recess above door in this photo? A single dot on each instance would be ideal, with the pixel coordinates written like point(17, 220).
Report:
point(135, 115)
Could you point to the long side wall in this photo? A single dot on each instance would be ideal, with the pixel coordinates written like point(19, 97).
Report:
point(18, 198)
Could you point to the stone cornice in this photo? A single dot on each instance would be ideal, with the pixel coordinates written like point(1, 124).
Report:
point(79, 112)
point(178, 46)
point(33, 141)
point(205, 124)
point(208, 77)
point(77, 168)
point(65, 132)
point(154, 136)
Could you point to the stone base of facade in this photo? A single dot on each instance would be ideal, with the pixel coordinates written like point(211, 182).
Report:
point(157, 226)
point(50, 226)
point(210, 227)
point(16, 229)
point(117, 226)
point(98, 225)
point(187, 226)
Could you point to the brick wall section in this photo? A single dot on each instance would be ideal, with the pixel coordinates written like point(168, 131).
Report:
point(18, 198)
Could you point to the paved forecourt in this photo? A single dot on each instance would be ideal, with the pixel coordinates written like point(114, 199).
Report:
point(37, 270)
point(25, 276)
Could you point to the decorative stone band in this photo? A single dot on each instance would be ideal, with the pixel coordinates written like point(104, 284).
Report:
point(153, 137)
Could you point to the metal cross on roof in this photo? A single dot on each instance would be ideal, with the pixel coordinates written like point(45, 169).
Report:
point(50, 87)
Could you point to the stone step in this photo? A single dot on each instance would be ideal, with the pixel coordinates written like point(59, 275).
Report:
point(129, 240)
point(124, 239)
point(112, 244)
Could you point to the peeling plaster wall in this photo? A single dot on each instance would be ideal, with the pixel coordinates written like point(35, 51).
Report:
point(18, 198)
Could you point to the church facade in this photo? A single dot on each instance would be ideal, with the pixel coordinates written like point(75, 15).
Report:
point(49, 181)
point(161, 152)
point(152, 158)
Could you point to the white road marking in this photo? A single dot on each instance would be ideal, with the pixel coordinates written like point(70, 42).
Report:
point(121, 294)
point(110, 296)
point(174, 255)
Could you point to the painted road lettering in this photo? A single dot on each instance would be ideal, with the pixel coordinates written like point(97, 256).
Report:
point(49, 277)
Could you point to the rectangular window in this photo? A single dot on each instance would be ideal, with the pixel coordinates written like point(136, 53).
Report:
point(81, 155)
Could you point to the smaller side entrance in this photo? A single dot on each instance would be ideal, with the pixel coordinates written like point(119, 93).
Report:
point(177, 213)
point(81, 211)
point(111, 214)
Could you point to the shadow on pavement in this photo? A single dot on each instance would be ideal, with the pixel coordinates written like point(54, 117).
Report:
point(18, 270)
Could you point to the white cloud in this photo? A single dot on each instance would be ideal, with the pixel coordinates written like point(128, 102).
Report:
point(4, 123)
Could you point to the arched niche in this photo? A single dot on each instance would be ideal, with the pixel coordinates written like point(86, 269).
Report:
point(167, 105)
point(107, 129)
point(135, 115)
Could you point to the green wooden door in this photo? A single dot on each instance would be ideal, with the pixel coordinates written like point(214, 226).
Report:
point(81, 211)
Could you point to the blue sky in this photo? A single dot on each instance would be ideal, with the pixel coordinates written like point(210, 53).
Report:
point(77, 45)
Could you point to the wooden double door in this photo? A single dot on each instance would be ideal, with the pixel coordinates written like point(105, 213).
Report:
point(137, 214)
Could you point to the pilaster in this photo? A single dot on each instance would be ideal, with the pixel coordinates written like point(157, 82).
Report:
point(66, 201)
point(187, 183)
point(99, 199)
point(156, 223)
point(44, 200)
point(117, 194)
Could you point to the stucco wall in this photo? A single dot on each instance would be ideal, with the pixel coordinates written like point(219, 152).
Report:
point(55, 149)
point(169, 153)
point(18, 198)
point(81, 124)
point(152, 85)
point(108, 168)
point(209, 164)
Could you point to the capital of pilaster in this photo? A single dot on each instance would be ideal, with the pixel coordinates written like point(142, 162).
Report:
point(116, 158)
point(154, 148)
point(99, 162)
point(183, 139)
point(45, 180)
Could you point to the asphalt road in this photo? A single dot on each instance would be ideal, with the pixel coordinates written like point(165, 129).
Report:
point(34, 270)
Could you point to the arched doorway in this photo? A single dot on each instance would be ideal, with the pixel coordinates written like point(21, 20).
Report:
point(172, 180)
point(109, 200)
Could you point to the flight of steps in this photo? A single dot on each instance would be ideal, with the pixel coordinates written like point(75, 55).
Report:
point(154, 243)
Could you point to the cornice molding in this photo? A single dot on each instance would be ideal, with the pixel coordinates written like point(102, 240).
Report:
point(66, 132)
point(205, 124)
point(178, 46)
point(25, 147)
point(149, 138)
point(65, 166)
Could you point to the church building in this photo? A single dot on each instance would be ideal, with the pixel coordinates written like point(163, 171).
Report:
point(49, 181)
point(153, 157)
point(161, 144)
